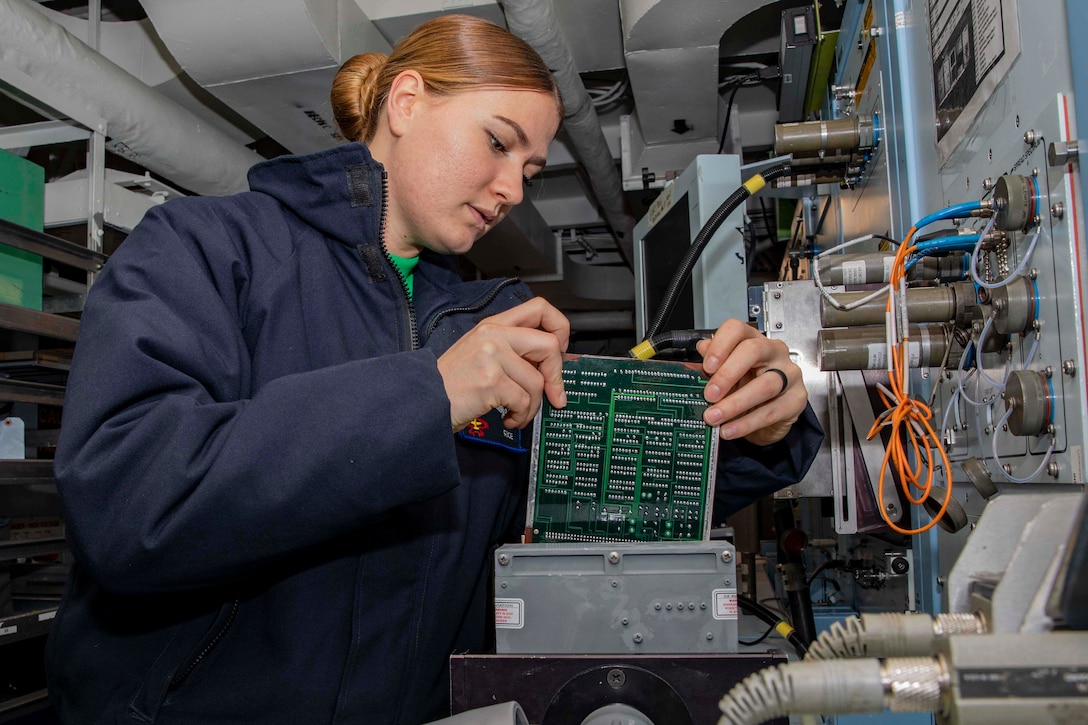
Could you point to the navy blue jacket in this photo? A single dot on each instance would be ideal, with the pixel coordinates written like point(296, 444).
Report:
point(270, 519)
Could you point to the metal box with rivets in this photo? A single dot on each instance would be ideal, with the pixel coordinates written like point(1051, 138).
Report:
point(631, 598)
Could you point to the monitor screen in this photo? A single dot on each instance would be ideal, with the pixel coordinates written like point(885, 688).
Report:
point(663, 248)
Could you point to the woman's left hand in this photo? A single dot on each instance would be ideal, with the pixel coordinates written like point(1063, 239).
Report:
point(747, 396)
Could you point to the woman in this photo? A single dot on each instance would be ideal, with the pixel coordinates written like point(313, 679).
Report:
point(270, 519)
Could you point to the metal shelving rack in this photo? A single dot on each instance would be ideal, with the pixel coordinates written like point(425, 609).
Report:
point(30, 377)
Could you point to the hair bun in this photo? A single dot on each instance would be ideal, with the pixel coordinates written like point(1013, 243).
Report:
point(353, 93)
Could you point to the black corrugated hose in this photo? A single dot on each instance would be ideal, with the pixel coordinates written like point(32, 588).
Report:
point(644, 350)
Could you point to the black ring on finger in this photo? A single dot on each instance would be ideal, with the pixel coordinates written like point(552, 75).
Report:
point(785, 380)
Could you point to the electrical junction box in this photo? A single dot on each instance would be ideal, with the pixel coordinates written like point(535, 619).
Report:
point(620, 598)
point(22, 201)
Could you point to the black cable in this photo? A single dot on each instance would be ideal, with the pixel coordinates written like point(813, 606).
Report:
point(783, 627)
point(829, 564)
point(791, 564)
point(679, 339)
point(754, 642)
point(772, 234)
point(729, 111)
point(687, 264)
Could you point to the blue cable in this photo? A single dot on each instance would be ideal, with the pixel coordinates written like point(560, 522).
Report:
point(957, 243)
point(953, 212)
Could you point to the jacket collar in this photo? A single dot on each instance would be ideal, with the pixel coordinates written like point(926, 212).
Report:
point(338, 192)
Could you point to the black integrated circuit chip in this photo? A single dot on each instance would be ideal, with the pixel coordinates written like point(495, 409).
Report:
point(628, 459)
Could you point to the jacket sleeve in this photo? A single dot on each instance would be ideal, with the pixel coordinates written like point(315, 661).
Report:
point(172, 476)
point(747, 472)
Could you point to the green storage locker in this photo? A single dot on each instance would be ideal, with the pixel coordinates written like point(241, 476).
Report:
point(22, 201)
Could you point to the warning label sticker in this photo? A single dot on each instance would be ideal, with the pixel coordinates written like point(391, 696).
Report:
point(725, 603)
point(510, 613)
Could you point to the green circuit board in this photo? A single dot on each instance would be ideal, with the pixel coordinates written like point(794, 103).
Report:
point(628, 459)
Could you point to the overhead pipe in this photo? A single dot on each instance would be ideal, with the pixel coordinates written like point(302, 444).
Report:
point(535, 22)
point(143, 126)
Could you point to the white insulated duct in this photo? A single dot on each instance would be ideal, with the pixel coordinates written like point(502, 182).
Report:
point(273, 61)
point(672, 50)
point(535, 22)
point(142, 125)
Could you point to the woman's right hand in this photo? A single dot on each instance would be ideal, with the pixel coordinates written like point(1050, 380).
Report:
point(510, 360)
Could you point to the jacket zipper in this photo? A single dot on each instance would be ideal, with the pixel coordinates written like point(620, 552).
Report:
point(491, 295)
point(179, 678)
point(412, 324)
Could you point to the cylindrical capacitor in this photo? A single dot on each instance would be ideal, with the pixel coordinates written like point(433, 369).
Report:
point(1014, 305)
point(1028, 394)
point(807, 138)
point(949, 303)
point(875, 268)
point(866, 348)
point(1017, 202)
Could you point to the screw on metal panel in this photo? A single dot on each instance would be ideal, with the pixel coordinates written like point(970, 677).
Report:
point(616, 678)
point(1007, 468)
point(876, 32)
point(1057, 210)
point(778, 325)
point(668, 606)
point(1052, 429)
point(504, 559)
point(615, 583)
point(727, 556)
point(710, 635)
point(614, 557)
point(987, 183)
point(1029, 136)
point(1048, 371)
point(778, 295)
point(1033, 273)
point(940, 582)
point(999, 305)
point(637, 638)
point(1053, 469)
point(1035, 171)
point(1069, 367)
point(624, 621)
point(1036, 325)
point(657, 606)
point(891, 508)
point(504, 585)
point(702, 605)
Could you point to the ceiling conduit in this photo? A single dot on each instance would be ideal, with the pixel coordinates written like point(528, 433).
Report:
point(143, 126)
point(273, 61)
point(535, 22)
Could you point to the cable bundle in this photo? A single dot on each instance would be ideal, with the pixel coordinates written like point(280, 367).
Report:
point(907, 418)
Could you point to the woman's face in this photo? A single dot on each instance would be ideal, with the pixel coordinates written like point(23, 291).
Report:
point(459, 164)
